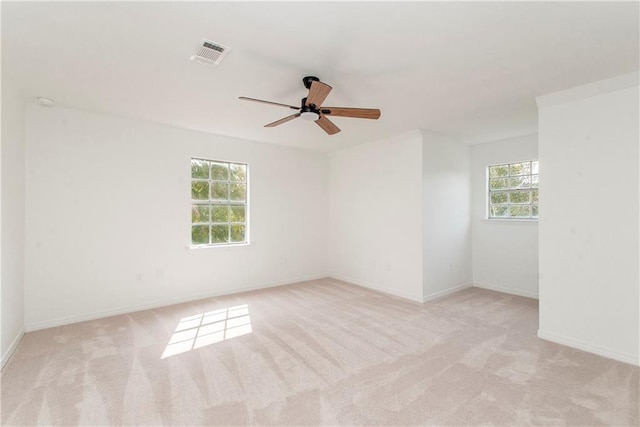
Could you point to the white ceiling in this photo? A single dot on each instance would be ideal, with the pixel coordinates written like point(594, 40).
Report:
point(470, 70)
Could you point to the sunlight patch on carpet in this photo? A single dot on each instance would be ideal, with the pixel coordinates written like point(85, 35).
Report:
point(208, 328)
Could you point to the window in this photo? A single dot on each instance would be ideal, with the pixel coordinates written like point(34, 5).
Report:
point(218, 203)
point(513, 190)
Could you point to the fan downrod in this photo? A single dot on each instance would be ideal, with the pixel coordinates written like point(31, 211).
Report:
point(308, 80)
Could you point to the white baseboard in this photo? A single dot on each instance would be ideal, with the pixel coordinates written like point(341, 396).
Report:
point(156, 304)
point(369, 285)
point(444, 293)
point(600, 351)
point(12, 348)
point(517, 292)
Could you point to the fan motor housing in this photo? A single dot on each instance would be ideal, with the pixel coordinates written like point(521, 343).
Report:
point(308, 108)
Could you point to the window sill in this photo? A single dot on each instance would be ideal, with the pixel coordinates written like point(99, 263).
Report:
point(205, 247)
point(510, 221)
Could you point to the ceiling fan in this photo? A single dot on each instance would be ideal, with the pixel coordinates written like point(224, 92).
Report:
point(311, 107)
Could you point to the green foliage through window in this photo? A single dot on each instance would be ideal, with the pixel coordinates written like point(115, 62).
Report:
point(513, 190)
point(218, 202)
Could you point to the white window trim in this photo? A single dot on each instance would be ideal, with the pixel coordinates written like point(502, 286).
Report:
point(219, 246)
point(510, 221)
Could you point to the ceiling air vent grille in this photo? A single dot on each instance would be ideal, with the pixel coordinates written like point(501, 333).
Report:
point(209, 52)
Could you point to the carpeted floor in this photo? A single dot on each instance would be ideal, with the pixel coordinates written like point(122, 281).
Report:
point(316, 353)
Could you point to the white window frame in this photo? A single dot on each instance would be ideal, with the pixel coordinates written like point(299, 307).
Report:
point(227, 202)
point(509, 190)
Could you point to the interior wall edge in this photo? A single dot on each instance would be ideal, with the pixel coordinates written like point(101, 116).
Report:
point(383, 289)
point(516, 292)
point(163, 303)
point(589, 90)
point(12, 348)
point(441, 294)
point(579, 345)
point(412, 133)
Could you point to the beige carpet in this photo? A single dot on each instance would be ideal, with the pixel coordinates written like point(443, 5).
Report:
point(316, 353)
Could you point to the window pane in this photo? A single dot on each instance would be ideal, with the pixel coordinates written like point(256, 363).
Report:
point(219, 234)
point(498, 171)
point(219, 191)
point(520, 197)
point(238, 214)
point(220, 213)
point(497, 198)
point(520, 182)
point(534, 197)
point(534, 211)
point(523, 168)
point(534, 181)
point(498, 184)
point(219, 171)
point(534, 167)
point(199, 190)
point(519, 211)
point(199, 169)
point(199, 213)
point(238, 172)
point(200, 234)
point(238, 192)
point(237, 233)
point(498, 211)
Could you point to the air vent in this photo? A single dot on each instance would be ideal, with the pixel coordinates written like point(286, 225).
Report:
point(209, 53)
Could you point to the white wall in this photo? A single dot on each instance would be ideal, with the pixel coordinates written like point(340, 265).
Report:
point(589, 248)
point(375, 215)
point(505, 253)
point(13, 223)
point(446, 214)
point(108, 216)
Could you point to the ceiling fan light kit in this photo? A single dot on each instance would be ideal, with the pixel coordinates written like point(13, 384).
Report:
point(310, 116)
point(311, 108)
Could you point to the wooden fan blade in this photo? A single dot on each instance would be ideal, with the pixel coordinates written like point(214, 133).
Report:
point(328, 126)
point(360, 113)
point(281, 121)
point(318, 92)
point(244, 98)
